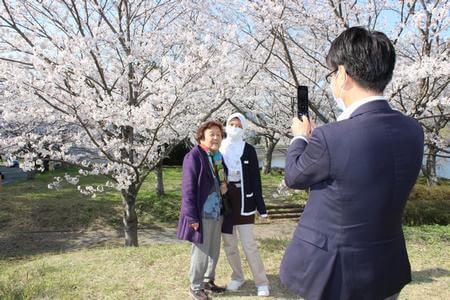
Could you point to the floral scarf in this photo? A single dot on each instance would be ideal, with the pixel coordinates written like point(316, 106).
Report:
point(217, 161)
point(219, 172)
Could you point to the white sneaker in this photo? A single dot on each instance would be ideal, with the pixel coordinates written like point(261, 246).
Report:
point(234, 285)
point(263, 291)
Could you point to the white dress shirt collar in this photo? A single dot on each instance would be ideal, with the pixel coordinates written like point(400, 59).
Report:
point(348, 111)
point(355, 105)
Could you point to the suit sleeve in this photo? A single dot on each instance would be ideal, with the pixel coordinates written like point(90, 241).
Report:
point(307, 163)
point(257, 187)
point(189, 189)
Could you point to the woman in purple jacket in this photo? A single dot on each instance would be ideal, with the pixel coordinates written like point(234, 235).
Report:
point(201, 216)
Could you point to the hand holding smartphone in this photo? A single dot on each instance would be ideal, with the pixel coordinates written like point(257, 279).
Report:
point(302, 101)
point(302, 127)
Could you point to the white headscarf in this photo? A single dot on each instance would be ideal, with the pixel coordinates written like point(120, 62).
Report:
point(233, 148)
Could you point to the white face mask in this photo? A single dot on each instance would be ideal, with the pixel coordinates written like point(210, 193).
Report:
point(339, 101)
point(234, 133)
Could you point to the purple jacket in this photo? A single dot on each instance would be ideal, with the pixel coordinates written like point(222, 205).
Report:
point(197, 181)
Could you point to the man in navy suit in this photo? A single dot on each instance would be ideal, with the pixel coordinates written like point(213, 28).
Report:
point(349, 243)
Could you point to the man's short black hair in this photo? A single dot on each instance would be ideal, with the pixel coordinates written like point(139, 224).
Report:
point(368, 57)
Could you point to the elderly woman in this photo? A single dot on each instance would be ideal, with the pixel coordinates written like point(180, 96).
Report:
point(201, 221)
point(245, 195)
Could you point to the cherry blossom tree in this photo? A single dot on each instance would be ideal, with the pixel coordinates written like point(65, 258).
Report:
point(107, 86)
point(283, 45)
point(290, 39)
point(421, 82)
point(111, 86)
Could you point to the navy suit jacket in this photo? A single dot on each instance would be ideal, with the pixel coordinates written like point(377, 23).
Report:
point(349, 242)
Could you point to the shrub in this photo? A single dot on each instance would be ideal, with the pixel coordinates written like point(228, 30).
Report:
point(428, 205)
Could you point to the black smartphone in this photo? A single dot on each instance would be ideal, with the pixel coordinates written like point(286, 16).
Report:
point(302, 101)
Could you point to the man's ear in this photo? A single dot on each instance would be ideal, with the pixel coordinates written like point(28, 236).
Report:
point(342, 73)
point(345, 79)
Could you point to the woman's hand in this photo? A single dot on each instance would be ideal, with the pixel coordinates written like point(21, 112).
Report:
point(194, 226)
point(223, 188)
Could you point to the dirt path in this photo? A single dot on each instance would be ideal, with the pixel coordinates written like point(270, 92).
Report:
point(13, 244)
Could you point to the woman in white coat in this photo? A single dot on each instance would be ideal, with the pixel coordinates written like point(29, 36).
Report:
point(245, 196)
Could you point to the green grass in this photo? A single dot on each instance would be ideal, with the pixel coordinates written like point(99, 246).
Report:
point(160, 272)
point(31, 206)
point(428, 234)
point(428, 252)
point(273, 195)
point(165, 208)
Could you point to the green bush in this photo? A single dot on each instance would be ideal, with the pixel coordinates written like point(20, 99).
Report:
point(428, 205)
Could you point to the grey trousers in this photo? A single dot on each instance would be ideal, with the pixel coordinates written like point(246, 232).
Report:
point(204, 256)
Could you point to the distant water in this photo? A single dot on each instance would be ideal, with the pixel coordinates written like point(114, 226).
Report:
point(278, 161)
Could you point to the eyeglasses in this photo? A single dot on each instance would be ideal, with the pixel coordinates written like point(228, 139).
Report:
point(328, 77)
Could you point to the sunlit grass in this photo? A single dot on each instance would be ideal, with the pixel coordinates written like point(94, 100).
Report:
point(160, 271)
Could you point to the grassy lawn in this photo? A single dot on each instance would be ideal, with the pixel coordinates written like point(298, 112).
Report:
point(160, 271)
point(31, 206)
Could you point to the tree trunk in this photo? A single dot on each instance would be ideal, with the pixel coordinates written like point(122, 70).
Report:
point(46, 164)
point(430, 166)
point(159, 180)
point(269, 148)
point(130, 220)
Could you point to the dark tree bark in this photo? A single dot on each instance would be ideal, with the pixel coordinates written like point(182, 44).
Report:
point(159, 180)
point(429, 169)
point(130, 220)
point(46, 164)
point(269, 147)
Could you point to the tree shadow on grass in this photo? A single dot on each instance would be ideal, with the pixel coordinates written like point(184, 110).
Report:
point(35, 220)
point(61, 225)
point(248, 289)
point(22, 244)
point(428, 275)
